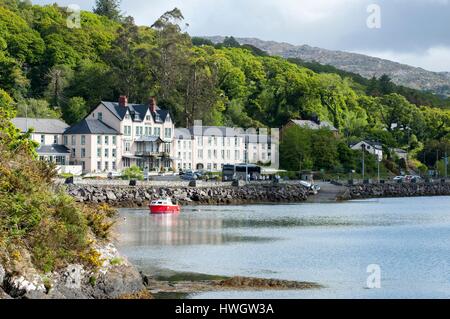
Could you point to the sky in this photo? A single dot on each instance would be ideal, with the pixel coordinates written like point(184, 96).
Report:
point(414, 32)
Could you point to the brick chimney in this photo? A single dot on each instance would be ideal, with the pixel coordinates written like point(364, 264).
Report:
point(153, 104)
point(123, 101)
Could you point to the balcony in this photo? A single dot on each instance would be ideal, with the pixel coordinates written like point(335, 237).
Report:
point(152, 154)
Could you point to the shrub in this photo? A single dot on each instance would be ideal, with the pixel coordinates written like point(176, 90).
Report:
point(133, 172)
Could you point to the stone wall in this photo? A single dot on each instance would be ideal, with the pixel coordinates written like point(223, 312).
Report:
point(398, 190)
point(126, 196)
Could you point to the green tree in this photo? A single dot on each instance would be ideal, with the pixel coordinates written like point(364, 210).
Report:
point(75, 110)
point(133, 172)
point(295, 149)
point(108, 8)
point(35, 108)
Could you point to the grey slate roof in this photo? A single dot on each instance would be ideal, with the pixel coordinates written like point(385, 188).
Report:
point(91, 126)
point(44, 126)
point(137, 111)
point(313, 125)
point(55, 149)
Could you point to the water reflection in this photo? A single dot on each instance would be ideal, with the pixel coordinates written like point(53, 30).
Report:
point(143, 229)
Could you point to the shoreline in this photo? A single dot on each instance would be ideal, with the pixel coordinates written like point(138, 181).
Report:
point(165, 283)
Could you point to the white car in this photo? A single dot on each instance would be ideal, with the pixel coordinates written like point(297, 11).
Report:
point(398, 178)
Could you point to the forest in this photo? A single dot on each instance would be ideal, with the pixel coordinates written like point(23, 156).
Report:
point(51, 70)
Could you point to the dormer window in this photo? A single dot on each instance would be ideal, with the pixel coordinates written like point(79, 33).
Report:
point(148, 118)
point(158, 118)
point(127, 116)
point(100, 116)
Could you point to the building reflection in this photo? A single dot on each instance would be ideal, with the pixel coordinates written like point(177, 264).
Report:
point(174, 230)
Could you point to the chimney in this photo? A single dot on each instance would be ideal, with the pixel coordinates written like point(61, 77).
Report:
point(123, 101)
point(153, 104)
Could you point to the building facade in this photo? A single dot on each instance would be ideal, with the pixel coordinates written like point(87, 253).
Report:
point(210, 147)
point(371, 147)
point(118, 135)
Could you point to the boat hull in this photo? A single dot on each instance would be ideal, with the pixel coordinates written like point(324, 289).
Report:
point(164, 209)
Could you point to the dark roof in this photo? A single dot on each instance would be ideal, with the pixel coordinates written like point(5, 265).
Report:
point(45, 126)
point(137, 111)
point(375, 145)
point(54, 149)
point(91, 126)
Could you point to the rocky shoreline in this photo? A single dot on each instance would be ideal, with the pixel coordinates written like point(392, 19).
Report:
point(115, 278)
point(140, 196)
point(397, 190)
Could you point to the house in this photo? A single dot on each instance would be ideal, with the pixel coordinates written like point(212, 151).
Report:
point(371, 147)
point(314, 124)
point(401, 154)
point(48, 133)
point(119, 134)
point(211, 147)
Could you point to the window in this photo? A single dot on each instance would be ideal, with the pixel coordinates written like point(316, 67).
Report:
point(184, 144)
point(200, 154)
point(99, 152)
point(200, 141)
point(215, 154)
point(139, 130)
point(106, 166)
point(74, 152)
point(42, 139)
point(127, 117)
point(106, 140)
point(99, 140)
point(83, 153)
point(179, 144)
point(236, 141)
point(66, 140)
point(83, 140)
point(73, 140)
point(236, 155)
point(215, 167)
point(99, 166)
point(55, 139)
point(209, 141)
point(228, 154)
point(157, 131)
point(114, 153)
point(215, 141)
point(209, 166)
point(209, 154)
point(106, 152)
point(223, 154)
point(114, 167)
point(100, 116)
point(147, 131)
point(168, 132)
point(126, 162)
point(127, 130)
point(148, 118)
point(127, 147)
point(114, 140)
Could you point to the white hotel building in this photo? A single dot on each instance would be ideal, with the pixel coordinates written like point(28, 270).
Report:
point(117, 135)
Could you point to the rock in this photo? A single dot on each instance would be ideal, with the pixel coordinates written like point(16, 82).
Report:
point(4, 295)
point(2, 275)
point(111, 196)
point(118, 281)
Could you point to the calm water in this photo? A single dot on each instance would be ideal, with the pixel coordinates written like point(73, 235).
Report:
point(331, 244)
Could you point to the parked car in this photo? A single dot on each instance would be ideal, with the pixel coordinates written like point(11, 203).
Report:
point(416, 179)
point(408, 178)
point(189, 176)
point(114, 175)
point(398, 178)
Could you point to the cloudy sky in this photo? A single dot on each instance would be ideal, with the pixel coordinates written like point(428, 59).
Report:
point(415, 32)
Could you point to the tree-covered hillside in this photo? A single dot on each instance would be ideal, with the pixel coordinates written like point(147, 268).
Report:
point(52, 70)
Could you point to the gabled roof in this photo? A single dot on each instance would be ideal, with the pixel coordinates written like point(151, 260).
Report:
point(91, 126)
point(44, 126)
point(313, 125)
point(54, 149)
point(375, 145)
point(137, 111)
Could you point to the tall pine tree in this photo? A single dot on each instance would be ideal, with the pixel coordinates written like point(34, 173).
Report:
point(108, 8)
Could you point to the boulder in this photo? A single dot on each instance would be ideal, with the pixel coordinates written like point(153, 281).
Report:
point(111, 196)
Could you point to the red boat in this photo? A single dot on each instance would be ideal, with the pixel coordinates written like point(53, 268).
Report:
point(164, 206)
